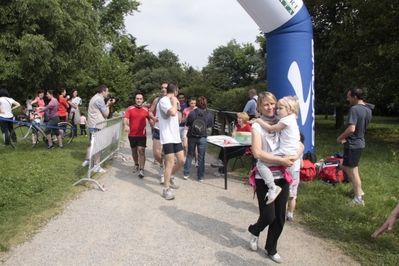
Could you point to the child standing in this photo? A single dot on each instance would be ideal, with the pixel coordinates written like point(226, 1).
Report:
point(82, 124)
point(287, 112)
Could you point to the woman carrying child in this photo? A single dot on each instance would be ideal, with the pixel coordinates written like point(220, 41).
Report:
point(263, 143)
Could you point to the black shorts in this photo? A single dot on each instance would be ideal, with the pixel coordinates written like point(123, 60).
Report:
point(169, 148)
point(155, 134)
point(352, 157)
point(137, 141)
point(63, 118)
point(52, 125)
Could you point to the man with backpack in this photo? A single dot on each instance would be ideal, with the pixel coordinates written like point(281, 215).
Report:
point(353, 139)
point(250, 107)
point(198, 121)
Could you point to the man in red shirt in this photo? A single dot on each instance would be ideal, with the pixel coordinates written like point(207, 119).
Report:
point(135, 124)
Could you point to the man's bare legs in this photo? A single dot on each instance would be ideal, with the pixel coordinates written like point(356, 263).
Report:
point(354, 177)
point(141, 152)
point(171, 168)
point(157, 150)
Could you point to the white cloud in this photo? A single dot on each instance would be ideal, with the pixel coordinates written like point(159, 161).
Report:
point(192, 30)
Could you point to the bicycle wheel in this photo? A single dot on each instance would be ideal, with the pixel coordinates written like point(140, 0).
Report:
point(69, 132)
point(26, 137)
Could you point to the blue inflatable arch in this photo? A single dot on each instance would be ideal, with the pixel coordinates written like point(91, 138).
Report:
point(290, 59)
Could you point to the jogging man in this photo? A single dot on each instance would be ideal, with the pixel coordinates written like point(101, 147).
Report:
point(156, 141)
point(135, 124)
point(167, 112)
point(353, 139)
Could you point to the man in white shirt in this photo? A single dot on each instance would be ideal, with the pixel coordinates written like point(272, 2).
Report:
point(167, 113)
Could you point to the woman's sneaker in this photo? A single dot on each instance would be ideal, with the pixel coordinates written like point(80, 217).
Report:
point(276, 257)
point(253, 242)
point(272, 194)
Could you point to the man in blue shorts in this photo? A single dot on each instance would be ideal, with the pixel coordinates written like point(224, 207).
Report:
point(359, 117)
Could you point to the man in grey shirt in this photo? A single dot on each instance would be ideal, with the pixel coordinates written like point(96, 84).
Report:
point(354, 142)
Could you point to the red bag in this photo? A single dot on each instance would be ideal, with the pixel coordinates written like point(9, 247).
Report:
point(308, 171)
point(331, 171)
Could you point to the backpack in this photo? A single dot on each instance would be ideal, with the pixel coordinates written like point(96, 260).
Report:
point(310, 156)
point(331, 171)
point(308, 171)
point(198, 127)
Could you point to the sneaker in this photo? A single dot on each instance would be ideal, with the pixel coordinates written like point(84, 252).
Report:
point(253, 242)
point(290, 218)
point(98, 169)
point(135, 168)
point(196, 164)
point(218, 163)
point(49, 147)
point(217, 174)
point(351, 192)
point(85, 163)
point(276, 257)
point(356, 202)
point(167, 194)
point(185, 177)
point(162, 180)
point(61, 146)
point(141, 173)
point(173, 183)
point(272, 194)
point(201, 180)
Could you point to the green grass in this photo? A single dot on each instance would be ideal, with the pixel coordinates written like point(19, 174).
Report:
point(36, 183)
point(324, 210)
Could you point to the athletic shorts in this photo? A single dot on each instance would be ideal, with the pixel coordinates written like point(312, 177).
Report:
point(63, 118)
point(155, 134)
point(52, 125)
point(169, 148)
point(137, 141)
point(352, 157)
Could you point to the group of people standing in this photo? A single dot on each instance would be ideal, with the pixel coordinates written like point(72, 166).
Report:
point(173, 143)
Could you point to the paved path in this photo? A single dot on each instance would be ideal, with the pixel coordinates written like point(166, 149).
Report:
point(131, 224)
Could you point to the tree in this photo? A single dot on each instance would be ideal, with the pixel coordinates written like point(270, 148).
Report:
point(231, 66)
point(355, 44)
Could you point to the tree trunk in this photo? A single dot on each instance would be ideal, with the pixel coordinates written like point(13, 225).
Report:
point(339, 118)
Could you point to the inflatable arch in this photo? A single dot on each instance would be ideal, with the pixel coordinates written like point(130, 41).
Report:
point(290, 59)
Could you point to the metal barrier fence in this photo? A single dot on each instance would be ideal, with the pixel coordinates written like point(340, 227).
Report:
point(105, 143)
point(224, 122)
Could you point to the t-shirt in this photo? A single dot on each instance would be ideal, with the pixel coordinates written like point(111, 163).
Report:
point(52, 108)
point(5, 106)
point(360, 116)
point(289, 136)
point(182, 108)
point(82, 120)
point(137, 120)
point(62, 108)
point(77, 101)
point(245, 128)
point(95, 111)
point(168, 125)
point(40, 102)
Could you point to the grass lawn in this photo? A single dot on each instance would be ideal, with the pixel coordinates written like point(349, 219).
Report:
point(36, 183)
point(323, 208)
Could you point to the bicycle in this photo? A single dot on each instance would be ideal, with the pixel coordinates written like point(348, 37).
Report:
point(27, 134)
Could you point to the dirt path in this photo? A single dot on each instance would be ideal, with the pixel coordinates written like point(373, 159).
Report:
point(131, 224)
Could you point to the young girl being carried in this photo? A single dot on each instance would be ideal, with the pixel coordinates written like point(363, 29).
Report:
point(287, 112)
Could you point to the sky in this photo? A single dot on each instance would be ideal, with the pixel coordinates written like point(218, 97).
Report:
point(191, 29)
